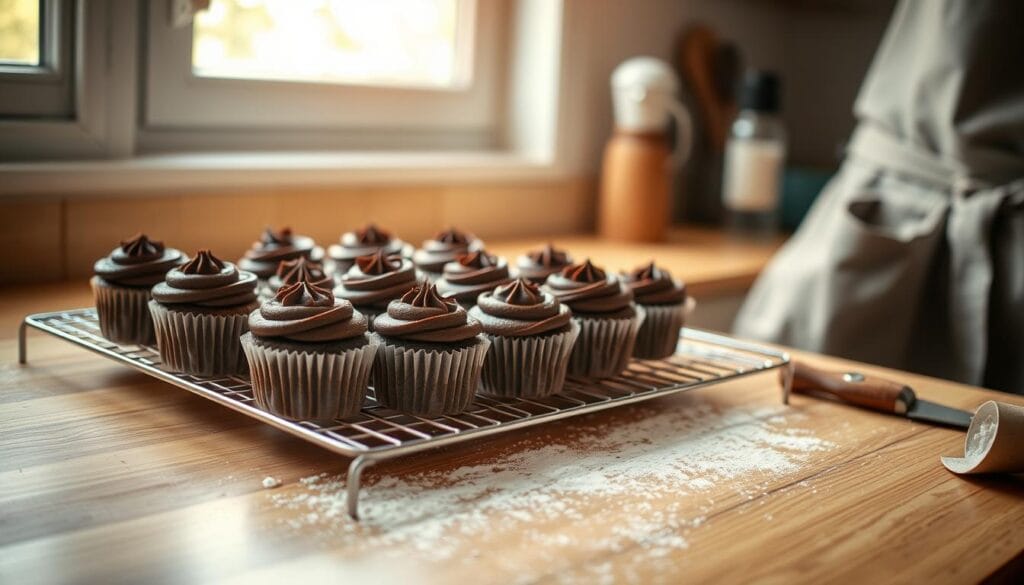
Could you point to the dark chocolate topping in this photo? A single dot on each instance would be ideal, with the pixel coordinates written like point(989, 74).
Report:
point(301, 269)
point(273, 247)
point(365, 241)
point(138, 262)
point(520, 308)
point(376, 280)
point(653, 286)
point(424, 315)
point(444, 248)
point(471, 274)
point(587, 289)
point(307, 313)
point(207, 281)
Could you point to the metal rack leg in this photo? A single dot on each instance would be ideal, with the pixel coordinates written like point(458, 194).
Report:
point(786, 378)
point(355, 474)
point(22, 345)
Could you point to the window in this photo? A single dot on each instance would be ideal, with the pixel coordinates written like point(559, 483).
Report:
point(35, 57)
point(403, 43)
point(325, 74)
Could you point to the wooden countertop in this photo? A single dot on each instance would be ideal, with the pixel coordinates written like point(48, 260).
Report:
point(109, 476)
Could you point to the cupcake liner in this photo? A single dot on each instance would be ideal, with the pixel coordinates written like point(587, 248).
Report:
point(201, 344)
point(427, 381)
point(123, 312)
point(308, 385)
point(659, 335)
point(605, 345)
point(527, 367)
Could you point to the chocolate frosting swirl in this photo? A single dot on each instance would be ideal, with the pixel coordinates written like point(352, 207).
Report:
point(207, 281)
point(273, 247)
point(307, 313)
point(444, 248)
point(520, 308)
point(364, 242)
point(301, 269)
point(653, 286)
point(587, 289)
point(537, 265)
point(472, 274)
point(424, 315)
point(139, 262)
point(376, 280)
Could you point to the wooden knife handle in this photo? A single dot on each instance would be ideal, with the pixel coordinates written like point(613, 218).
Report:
point(855, 388)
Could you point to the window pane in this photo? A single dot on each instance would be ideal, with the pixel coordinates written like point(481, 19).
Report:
point(19, 32)
point(378, 42)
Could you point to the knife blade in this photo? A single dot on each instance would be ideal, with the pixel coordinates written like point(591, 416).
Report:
point(875, 393)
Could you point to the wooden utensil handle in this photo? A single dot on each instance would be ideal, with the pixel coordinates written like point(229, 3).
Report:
point(855, 388)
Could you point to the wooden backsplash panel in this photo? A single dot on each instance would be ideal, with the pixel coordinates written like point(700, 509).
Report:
point(31, 242)
point(54, 239)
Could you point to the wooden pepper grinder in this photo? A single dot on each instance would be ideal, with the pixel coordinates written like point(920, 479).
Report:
point(634, 203)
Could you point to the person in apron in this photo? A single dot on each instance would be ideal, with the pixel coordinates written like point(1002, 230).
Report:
point(913, 255)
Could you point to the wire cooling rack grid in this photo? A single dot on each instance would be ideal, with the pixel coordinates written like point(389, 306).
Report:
point(376, 433)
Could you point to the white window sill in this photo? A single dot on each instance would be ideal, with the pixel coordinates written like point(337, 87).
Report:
point(268, 169)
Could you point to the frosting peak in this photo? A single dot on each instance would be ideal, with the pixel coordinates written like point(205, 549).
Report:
point(304, 294)
point(585, 272)
point(654, 286)
point(452, 236)
point(548, 256)
point(378, 263)
point(477, 259)
point(142, 248)
point(518, 292)
point(426, 296)
point(281, 238)
point(204, 263)
point(372, 235)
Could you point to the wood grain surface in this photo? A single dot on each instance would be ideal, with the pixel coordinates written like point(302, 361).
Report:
point(108, 476)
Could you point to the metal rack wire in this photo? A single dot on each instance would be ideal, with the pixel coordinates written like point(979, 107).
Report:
point(376, 433)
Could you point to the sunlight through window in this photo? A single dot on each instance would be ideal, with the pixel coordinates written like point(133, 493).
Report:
point(416, 43)
point(19, 32)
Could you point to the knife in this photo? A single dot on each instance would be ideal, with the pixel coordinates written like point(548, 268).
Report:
point(875, 393)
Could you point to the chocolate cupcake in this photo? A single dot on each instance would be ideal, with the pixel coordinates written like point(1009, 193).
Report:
point(121, 286)
point(665, 303)
point(538, 265)
point(444, 248)
point(309, 356)
point(267, 252)
point(199, 312)
point(471, 274)
point(430, 356)
point(608, 319)
point(364, 242)
point(375, 281)
point(301, 269)
point(531, 335)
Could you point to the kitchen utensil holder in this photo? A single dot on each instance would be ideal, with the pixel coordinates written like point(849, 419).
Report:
point(702, 358)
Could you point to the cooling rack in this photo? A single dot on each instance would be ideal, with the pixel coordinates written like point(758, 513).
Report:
point(702, 358)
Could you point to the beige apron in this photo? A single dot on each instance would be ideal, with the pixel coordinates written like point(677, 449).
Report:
point(913, 256)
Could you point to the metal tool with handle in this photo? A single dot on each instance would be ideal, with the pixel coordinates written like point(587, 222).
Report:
point(874, 393)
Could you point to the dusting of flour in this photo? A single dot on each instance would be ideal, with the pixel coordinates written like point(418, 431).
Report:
point(639, 485)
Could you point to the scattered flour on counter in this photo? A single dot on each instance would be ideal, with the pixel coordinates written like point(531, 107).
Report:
point(979, 442)
point(546, 499)
point(271, 482)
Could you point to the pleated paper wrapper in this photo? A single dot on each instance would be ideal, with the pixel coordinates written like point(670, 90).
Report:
point(308, 385)
point(428, 382)
point(527, 367)
point(605, 345)
point(201, 344)
point(659, 335)
point(123, 313)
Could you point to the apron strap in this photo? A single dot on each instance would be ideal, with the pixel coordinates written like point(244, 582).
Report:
point(972, 211)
